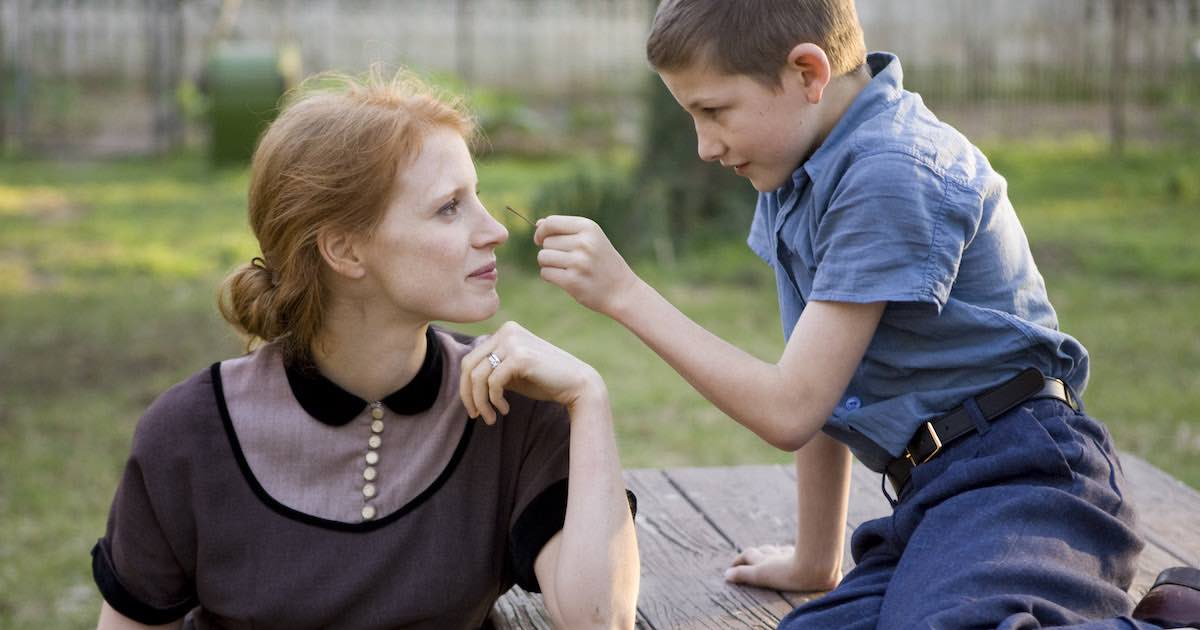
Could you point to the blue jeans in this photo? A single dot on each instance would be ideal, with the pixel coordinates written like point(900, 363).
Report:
point(1021, 527)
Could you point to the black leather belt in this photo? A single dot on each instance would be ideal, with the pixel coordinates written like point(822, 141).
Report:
point(938, 433)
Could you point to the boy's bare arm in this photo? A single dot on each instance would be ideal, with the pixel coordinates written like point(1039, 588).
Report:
point(785, 403)
point(814, 563)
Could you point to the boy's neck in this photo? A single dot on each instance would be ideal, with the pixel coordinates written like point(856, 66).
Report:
point(839, 96)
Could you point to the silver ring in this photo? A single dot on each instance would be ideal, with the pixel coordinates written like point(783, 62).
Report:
point(493, 360)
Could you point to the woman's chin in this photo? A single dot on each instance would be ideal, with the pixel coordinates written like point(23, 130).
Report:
point(475, 313)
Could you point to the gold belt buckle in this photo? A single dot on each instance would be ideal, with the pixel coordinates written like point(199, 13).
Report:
point(937, 447)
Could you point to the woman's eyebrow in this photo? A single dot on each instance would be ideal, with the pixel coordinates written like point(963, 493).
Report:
point(448, 194)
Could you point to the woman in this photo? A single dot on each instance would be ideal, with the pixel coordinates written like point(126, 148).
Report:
point(334, 476)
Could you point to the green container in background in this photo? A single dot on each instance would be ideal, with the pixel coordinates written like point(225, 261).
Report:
point(244, 86)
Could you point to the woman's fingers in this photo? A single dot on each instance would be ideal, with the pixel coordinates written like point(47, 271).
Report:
point(466, 368)
point(479, 391)
point(496, 382)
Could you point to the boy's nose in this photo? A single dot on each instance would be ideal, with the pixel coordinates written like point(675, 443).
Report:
point(709, 148)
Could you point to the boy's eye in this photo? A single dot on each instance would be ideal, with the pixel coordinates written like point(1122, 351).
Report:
point(710, 111)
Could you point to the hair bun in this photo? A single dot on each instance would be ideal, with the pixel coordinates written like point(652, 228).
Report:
point(247, 300)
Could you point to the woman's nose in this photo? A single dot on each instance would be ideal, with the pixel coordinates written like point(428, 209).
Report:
point(490, 232)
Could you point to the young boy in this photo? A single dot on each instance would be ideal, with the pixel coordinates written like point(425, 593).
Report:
point(920, 337)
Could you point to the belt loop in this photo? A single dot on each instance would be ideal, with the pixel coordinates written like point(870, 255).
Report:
point(883, 478)
point(976, 414)
point(1073, 398)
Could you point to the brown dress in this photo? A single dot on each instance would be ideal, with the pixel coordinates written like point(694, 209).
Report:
point(259, 495)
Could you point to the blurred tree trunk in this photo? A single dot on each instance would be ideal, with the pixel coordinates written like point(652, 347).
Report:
point(165, 68)
point(1119, 76)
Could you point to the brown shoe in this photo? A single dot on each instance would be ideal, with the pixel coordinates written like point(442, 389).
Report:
point(1173, 601)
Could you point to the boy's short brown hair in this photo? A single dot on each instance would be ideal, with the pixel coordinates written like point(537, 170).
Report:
point(753, 37)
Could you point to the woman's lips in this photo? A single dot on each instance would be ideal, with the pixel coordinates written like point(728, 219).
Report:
point(486, 272)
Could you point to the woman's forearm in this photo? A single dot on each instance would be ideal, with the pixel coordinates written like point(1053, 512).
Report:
point(596, 570)
point(110, 619)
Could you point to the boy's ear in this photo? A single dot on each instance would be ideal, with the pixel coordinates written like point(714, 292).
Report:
point(340, 250)
point(809, 67)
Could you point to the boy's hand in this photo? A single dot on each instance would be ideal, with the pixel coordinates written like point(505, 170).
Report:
point(778, 568)
point(577, 257)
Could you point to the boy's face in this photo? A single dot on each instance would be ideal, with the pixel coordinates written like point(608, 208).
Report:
point(763, 134)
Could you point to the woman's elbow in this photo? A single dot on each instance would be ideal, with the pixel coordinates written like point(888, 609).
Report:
point(598, 618)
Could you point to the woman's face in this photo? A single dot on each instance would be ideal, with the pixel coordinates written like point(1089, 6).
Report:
point(432, 256)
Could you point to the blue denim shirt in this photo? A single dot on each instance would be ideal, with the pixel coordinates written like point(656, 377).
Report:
point(896, 206)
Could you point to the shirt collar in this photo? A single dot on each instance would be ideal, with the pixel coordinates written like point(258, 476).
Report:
point(884, 88)
point(330, 404)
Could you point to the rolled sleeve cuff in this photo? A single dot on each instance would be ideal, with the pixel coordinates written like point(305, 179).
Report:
point(124, 602)
point(541, 520)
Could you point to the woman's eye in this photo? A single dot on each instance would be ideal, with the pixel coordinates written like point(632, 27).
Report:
point(449, 209)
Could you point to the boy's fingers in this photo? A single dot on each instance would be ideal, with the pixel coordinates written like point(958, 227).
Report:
point(560, 278)
point(554, 225)
point(741, 574)
point(555, 258)
point(753, 555)
point(562, 242)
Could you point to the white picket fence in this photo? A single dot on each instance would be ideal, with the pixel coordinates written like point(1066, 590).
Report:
point(80, 73)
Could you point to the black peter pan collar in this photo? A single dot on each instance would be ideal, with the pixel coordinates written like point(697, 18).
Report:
point(330, 404)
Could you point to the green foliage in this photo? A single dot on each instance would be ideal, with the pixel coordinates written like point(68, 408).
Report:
point(597, 191)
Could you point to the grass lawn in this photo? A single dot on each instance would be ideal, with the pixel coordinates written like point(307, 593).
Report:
point(108, 274)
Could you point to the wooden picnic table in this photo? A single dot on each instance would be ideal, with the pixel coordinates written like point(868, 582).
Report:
point(692, 521)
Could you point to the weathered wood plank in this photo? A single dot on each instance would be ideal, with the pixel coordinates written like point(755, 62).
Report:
point(749, 505)
point(1168, 510)
point(683, 558)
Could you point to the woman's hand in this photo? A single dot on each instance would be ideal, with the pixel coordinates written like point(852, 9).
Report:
point(577, 257)
point(778, 568)
point(528, 365)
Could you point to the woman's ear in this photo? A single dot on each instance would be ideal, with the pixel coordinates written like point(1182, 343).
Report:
point(808, 66)
point(340, 250)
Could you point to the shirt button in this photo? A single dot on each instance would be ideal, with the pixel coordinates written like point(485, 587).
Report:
point(368, 512)
point(369, 474)
point(377, 426)
point(852, 403)
point(374, 441)
point(372, 458)
point(369, 490)
point(376, 412)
